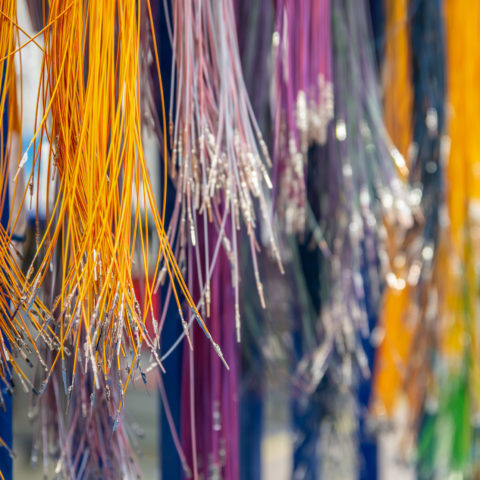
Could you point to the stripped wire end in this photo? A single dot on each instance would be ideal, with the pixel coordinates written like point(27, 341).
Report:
point(207, 334)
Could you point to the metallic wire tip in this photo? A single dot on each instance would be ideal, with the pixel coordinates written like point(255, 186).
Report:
point(220, 354)
point(207, 334)
point(185, 329)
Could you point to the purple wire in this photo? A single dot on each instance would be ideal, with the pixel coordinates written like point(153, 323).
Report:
point(215, 388)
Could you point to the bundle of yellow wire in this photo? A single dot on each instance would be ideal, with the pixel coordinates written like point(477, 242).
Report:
point(16, 339)
point(458, 385)
point(436, 361)
point(394, 349)
point(89, 111)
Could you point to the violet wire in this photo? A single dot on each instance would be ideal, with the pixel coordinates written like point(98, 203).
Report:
point(83, 465)
point(320, 30)
point(185, 411)
point(188, 404)
point(219, 376)
point(44, 439)
point(319, 33)
point(229, 384)
point(320, 25)
point(290, 100)
point(229, 416)
point(303, 45)
point(191, 374)
point(192, 413)
point(302, 58)
point(302, 39)
point(245, 97)
point(51, 411)
point(190, 73)
point(77, 457)
point(233, 235)
point(328, 45)
point(292, 45)
point(201, 124)
point(97, 427)
point(92, 431)
point(66, 451)
point(214, 366)
point(219, 234)
point(219, 48)
point(312, 64)
point(277, 110)
point(79, 437)
point(179, 89)
point(208, 386)
point(315, 30)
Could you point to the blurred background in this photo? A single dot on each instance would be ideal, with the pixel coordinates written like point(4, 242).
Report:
point(330, 154)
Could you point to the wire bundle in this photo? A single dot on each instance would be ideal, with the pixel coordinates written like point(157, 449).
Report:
point(351, 224)
point(352, 184)
point(408, 312)
point(398, 104)
point(303, 105)
point(219, 160)
point(362, 191)
point(17, 342)
point(78, 291)
point(448, 440)
point(209, 418)
point(219, 167)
